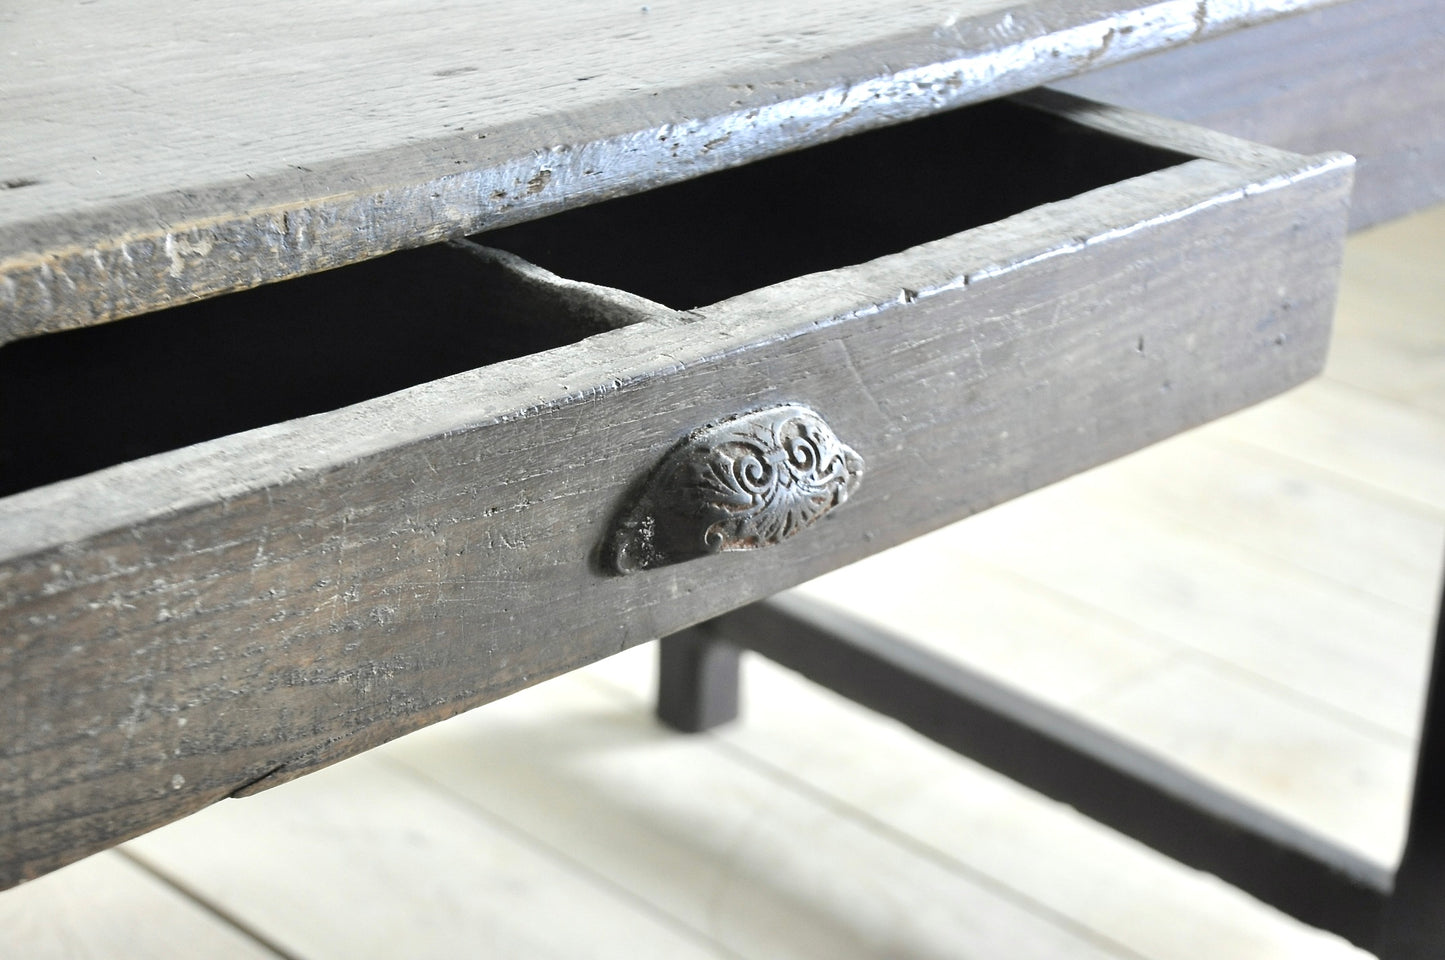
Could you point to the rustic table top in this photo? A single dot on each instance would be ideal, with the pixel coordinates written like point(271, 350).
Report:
point(148, 160)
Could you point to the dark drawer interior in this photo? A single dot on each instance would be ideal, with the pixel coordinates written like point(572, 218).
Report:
point(842, 203)
point(85, 399)
point(78, 401)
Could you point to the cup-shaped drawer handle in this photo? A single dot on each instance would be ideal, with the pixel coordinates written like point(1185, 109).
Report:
point(743, 483)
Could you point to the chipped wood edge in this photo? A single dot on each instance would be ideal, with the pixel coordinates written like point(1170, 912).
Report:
point(609, 306)
point(1156, 131)
point(91, 270)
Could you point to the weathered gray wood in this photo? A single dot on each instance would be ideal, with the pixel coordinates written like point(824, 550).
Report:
point(150, 157)
point(1367, 77)
point(216, 620)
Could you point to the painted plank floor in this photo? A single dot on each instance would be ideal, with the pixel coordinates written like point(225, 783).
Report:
point(1253, 599)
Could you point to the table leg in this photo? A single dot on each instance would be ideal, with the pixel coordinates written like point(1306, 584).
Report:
point(1414, 917)
point(697, 680)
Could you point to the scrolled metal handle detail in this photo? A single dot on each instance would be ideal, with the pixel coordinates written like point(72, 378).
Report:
point(741, 484)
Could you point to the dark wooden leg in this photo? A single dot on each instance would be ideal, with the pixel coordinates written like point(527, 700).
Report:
point(697, 680)
point(1414, 920)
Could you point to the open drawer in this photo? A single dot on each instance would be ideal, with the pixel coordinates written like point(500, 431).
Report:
point(957, 310)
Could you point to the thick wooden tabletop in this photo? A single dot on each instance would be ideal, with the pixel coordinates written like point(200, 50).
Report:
point(154, 156)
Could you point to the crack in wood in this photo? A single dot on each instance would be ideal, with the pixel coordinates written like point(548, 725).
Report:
point(254, 785)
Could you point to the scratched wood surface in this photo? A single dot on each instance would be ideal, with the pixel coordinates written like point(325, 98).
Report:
point(152, 157)
point(216, 620)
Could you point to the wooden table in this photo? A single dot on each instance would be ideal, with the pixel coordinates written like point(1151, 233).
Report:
point(220, 616)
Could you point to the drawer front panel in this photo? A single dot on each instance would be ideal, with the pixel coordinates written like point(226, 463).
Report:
point(212, 621)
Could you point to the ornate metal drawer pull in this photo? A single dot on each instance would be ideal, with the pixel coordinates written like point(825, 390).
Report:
point(744, 483)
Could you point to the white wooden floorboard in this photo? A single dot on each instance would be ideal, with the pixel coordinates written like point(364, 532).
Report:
point(1339, 649)
point(1313, 769)
point(1308, 520)
point(107, 907)
point(1373, 364)
point(1205, 704)
point(361, 860)
point(1382, 443)
point(765, 866)
point(1000, 623)
point(1044, 852)
point(1390, 327)
point(1393, 290)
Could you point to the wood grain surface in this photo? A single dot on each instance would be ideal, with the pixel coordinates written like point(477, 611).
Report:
point(215, 620)
point(150, 157)
point(1366, 77)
